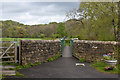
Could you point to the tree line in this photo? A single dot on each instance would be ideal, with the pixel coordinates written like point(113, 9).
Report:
point(92, 21)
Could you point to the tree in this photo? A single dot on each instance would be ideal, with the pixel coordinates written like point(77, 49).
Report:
point(61, 30)
point(102, 17)
point(17, 32)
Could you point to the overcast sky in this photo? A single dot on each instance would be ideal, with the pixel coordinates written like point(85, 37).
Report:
point(36, 12)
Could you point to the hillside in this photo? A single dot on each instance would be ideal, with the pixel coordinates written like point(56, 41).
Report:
point(71, 28)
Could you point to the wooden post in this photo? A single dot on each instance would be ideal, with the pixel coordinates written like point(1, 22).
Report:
point(15, 50)
point(20, 60)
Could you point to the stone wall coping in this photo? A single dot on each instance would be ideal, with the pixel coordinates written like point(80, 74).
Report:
point(40, 40)
point(99, 42)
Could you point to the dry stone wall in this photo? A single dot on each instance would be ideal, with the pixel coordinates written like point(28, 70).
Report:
point(32, 51)
point(93, 51)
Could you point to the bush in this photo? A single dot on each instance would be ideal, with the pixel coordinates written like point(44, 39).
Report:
point(55, 35)
point(50, 59)
point(42, 35)
point(56, 56)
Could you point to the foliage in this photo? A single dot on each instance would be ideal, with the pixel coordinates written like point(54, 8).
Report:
point(22, 66)
point(18, 74)
point(61, 29)
point(18, 39)
point(46, 61)
point(92, 21)
point(55, 36)
point(11, 69)
point(96, 20)
point(81, 60)
point(67, 42)
point(100, 67)
point(56, 56)
point(107, 57)
point(42, 35)
point(53, 58)
point(50, 59)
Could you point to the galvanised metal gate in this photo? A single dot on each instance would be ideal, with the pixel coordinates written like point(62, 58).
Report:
point(71, 45)
point(8, 51)
point(62, 45)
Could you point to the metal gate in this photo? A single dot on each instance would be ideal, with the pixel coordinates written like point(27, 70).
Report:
point(62, 45)
point(71, 45)
point(8, 51)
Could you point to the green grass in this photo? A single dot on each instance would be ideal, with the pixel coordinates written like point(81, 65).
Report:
point(18, 39)
point(81, 60)
point(18, 74)
point(22, 66)
point(11, 68)
point(99, 66)
point(53, 58)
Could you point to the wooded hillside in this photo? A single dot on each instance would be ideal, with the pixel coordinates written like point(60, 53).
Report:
point(99, 22)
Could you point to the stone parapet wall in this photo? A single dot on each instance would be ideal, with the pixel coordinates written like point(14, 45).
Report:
point(93, 51)
point(32, 51)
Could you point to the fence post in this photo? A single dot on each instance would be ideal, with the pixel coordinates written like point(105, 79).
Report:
point(20, 60)
point(15, 50)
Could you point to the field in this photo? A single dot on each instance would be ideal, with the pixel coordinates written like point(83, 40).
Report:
point(18, 39)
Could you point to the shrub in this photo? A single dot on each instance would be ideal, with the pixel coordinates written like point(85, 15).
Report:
point(56, 56)
point(55, 35)
point(42, 35)
point(50, 59)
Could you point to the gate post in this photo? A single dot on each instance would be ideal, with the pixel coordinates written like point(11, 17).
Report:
point(20, 52)
point(62, 45)
point(71, 45)
point(15, 50)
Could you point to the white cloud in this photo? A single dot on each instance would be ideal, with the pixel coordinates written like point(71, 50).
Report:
point(36, 12)
point(41, 0)
point(31, 20)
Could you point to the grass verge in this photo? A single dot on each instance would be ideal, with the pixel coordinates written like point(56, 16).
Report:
point(99, 66)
